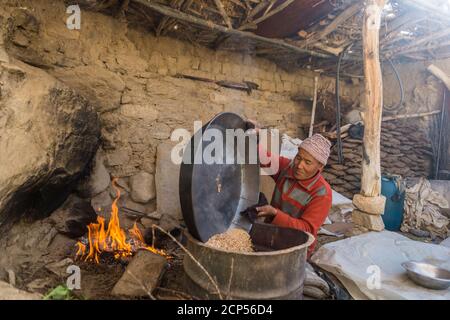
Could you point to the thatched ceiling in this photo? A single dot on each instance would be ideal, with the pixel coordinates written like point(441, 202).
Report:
point(312, 37)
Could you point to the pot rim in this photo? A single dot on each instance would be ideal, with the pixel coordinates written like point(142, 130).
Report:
point(310, 240)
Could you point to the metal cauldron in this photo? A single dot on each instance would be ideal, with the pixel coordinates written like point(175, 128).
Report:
point(276, 271)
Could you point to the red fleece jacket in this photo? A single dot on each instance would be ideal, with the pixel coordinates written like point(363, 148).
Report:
point(314, 209)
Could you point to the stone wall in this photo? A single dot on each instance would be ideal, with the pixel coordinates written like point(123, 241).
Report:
point(130, 76)
point(423, 92)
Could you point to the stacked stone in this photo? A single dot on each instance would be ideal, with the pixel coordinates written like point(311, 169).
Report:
point(405, 150)
point(345, 178)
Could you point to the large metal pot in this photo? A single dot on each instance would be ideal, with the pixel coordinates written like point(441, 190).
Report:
point(277, 274)
point(213, 195)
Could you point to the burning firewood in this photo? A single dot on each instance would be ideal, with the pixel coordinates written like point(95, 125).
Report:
point(112, 239)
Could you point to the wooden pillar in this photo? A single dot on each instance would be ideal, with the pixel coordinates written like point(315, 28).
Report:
point(369, 203)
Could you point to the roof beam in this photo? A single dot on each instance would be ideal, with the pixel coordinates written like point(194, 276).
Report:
point(339, 20)
point(164, 10)
point(268, 13)
point(223, 13)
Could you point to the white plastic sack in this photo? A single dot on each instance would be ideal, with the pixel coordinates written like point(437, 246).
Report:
point(289, 146)
point(357, 262)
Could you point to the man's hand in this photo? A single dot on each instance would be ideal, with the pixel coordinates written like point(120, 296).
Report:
point(266, 211)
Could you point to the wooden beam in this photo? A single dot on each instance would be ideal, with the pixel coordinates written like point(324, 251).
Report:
point(340, 19)
point(369, 203)
point(165, 20)
point(328, 49)
point(240, 4)
point(441, 75)
point(259, 7)
point(399, 22)
point(373, 97)
point(164, 10)
point(268, 14)
point(223, 13)
point(423, 40)
point(313, 111)
point(412, 115)
point(437, 46)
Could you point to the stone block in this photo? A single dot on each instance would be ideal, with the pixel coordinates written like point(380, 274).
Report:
point(167, 179)
point(142, 275)
point(183, 63)
point(195, 63)
point(97, 181)
point(137, 111)
point(142, 187)
point(8, 292)
point(371, 205)
point(369, 221)
point(287, 86)
point(118, 157)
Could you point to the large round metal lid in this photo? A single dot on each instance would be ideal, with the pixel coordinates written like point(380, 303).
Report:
point(213, 191)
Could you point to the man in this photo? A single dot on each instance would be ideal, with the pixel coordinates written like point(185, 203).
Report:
point(302, 198)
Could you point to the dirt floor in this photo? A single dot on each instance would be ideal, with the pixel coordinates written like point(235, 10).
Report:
point(29, 249)
point(34, 247)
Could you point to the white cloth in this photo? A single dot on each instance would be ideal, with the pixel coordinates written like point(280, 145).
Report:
point(355, 261)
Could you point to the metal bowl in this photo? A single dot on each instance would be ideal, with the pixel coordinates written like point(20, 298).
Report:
point(428, 275)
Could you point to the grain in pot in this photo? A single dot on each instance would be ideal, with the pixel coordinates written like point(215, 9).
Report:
point(237, 240)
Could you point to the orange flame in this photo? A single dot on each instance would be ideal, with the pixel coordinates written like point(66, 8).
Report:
point(113, 239)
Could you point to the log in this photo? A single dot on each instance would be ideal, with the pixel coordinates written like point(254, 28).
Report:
point(413, 115)
point(441, 75)
point(406, 19)
point(421, 41)
point(269, 13)
point(259, 7)
point(340, 19)
point(428, 48)
point(371, 171)
point(313, 112)
point(328, 49)
point(223, 13)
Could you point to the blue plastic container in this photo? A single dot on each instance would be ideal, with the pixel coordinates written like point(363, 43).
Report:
point(393, 212)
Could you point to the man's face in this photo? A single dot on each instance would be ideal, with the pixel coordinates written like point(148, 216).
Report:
point(305, 165)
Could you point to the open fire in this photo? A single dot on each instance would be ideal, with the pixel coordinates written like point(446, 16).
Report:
point(112, 239)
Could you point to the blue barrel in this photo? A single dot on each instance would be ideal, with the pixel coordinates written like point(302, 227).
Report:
point(393, 212)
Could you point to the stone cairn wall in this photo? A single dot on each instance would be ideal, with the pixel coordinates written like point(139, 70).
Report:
point(405, 150)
